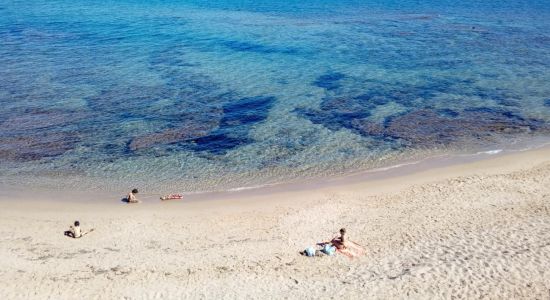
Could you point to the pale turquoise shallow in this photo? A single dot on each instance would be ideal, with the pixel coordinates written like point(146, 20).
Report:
point(197, 96)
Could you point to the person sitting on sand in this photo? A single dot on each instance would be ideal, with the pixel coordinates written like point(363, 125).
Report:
point(345, 246)
point(75, 232)
point(132, 196)
point(340, 242)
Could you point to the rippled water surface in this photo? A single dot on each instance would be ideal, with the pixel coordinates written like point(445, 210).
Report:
point(196, 96)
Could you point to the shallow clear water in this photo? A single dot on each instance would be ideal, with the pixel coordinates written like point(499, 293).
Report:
point(195, 95)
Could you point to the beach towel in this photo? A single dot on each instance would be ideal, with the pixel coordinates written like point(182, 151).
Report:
point(352, 250)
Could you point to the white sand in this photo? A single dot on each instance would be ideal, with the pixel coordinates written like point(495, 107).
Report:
point(477, 230)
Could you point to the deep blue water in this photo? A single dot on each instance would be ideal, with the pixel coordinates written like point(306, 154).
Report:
point(195, 95)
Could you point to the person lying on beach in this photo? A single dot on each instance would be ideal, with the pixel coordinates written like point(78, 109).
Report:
point(132, 196)
point(75, 232)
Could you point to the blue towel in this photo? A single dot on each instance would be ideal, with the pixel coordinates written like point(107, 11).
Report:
point(310, 251)
point(329, 249)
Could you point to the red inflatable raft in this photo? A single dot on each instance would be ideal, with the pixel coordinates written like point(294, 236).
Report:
point(171, 197)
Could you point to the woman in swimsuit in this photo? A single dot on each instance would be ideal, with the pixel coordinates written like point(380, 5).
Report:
point(341, 241)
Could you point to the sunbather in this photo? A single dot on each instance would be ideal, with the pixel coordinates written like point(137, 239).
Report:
point(340, 241)
point(345, 246)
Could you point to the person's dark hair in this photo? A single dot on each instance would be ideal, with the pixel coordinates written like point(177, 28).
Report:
point(134, 191)
point(76, 223)
point(343, 230)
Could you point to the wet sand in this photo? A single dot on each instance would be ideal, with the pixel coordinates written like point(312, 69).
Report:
point(474, 230)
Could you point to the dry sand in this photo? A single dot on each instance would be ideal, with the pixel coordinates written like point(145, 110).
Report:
point(479, 230)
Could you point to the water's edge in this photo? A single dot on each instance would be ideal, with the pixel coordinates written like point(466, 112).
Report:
point(29, 193)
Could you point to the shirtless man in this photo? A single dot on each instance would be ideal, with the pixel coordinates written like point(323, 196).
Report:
point(75, 232)
point(132, 196)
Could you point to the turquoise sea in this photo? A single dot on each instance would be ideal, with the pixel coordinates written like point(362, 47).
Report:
point(193, 96)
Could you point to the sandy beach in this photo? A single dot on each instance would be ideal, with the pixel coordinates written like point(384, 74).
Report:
point(477, 230)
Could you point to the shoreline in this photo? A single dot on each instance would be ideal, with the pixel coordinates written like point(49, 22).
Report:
point(416, 160)
point(405, 171)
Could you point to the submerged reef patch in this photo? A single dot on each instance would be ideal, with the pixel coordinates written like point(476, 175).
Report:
point(421, 122)
point(198, 115)
point(214, 132)
point(238, 118)
point(242, 46)
point(40, 119)
point(335, 113)
point(38, 146)
point(129, 100)
point(424, 128)
point(190, 129)
point(38, 133)
point(329, 81)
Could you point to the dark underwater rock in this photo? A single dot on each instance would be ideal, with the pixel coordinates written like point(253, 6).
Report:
point(246, 111)
point(426, 127)
point(210, 129)
point(32, 119)
point(34, 134)
point(184, 133)
point(423, 123)
point(446, 112)
point(368, 128)
point(238, 118)
point(35, 147)
point(128, 99)
point(241, 46)
point(329, 81)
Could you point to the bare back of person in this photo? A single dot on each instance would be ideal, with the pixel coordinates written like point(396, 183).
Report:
point(132, 196)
